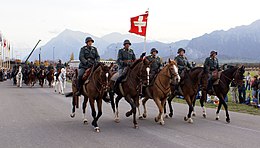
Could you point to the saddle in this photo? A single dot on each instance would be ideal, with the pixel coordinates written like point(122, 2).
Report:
point(86, 74)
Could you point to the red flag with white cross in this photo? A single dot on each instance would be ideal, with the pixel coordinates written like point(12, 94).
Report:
point(139, 24)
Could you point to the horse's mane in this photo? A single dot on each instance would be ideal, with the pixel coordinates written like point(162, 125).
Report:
point(135, 63)
point(230, 68)
point(195, 68)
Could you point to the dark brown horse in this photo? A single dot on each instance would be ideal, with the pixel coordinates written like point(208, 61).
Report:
point(50, 77)
point(94, 91)
point(161, 88)
point(75, 98)
point(235, 74)
point(41, 77)
point(190, 85)
point(130, 88)
point(32, 77)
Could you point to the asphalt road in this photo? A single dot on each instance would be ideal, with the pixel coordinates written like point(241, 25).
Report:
point(38, 117)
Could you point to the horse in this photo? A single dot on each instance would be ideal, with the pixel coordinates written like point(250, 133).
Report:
point(93, 90)
point(19, 77)
point(233, 73)
point(50, 77)
point(190, 84)
point(32, 77)
point(41, 77)
point(161, 88)
point(75, 98)
point(130, 88)
point(60, 83)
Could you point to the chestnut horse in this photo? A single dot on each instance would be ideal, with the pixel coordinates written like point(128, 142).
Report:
point(130, 88)
point(190, 84)
point(161, 88)
point(41, 77)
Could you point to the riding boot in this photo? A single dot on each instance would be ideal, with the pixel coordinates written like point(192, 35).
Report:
point(210, 86)
point(118, 81)
point(79, 88)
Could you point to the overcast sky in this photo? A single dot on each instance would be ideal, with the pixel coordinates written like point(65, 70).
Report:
point(25, 21)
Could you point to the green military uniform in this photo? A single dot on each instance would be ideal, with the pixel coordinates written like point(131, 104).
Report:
point(42, 66)
point(50, 67)
point(125, 58)
point(211, 64)
point(155, 66)
point(59, 66)
point(182, 63)
point(88, 57)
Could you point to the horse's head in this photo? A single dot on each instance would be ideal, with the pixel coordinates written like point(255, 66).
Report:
point(173, 69)
point(105, 75)
point(239, 75)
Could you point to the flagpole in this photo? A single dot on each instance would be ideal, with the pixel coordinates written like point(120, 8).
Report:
point(146, 31)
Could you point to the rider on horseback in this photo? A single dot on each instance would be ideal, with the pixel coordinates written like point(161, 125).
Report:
point(59, 66)
point(183, 65)
point(88, 57)
point(156, 64)
point(126, 57)
point(49, 68)
point(25, 73)
point(211, 64)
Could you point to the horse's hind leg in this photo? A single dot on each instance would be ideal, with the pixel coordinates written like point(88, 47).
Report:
point(202, 100)
point(193, 105)
point(226, 108)
point(112, 101)
point(84, 105)
point(218, 110)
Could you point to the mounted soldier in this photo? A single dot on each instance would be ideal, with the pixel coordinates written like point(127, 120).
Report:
point(156, 64)
point(125, 58)
point(25, 73)
point(49, 68)
point(59, 66)
point(211, 64)
point(183, 65)
point(88, 57)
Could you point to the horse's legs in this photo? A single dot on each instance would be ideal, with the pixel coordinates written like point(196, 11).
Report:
point(190, 104)
point(72, 115)
point(170, 105)
point(84, 105)
point(112, 101)
point(202, 100)
point(93, 111)
point(160, 107)
point(133, 109)
point(219, 107)
point(99, 105)
point(226, 109)
point(145, 110)
point(117, 112)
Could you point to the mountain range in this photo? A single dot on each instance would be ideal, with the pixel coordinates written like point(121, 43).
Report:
point(239, 44)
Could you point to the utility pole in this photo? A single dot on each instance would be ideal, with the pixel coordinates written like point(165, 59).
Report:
point(40, 55)
point(53, 54)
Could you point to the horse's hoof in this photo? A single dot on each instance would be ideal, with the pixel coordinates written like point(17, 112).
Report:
point(185, 118)
point(190, 120)
point(136, 126)
point(166, 116)
point(72, 115)
point(85, 121)
point(162, 123)
point(144, 115)
point(155, 119)
point(204, 115)
point(117, 120)
point(55, 91)
point(217, 118)
point(171, 114)
point(141, 117)
point(228, 120)
point(128, 114)
point(97, 129)
point(194, 114)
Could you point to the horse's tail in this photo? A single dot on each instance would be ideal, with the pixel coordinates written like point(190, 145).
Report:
point(70, 94)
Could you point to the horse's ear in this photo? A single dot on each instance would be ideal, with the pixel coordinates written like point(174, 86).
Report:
point(169, 60)
point(111, 65)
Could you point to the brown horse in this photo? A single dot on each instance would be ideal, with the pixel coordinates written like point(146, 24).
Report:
point(75, 98)
point(190, 85)
point(130, 88)
point(41, 77)
point(50, 77)
point(161, 88)
point(94, 91)
point(32, 77)
point(235, 74)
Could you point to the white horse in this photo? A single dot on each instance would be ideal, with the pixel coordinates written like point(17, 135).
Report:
point(19, 77)
point(60, 83)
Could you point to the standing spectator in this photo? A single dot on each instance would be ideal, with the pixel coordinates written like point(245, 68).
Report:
point(248, 81)
point(255, 87)
point(242, 93)
point(233, 90)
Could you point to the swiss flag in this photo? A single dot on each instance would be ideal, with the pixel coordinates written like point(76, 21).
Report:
point(139, 24)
